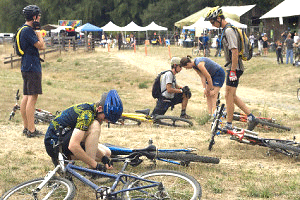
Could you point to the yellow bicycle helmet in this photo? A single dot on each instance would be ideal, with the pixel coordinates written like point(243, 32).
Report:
point(214, 13)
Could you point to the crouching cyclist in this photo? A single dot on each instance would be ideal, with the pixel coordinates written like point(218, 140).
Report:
point(171, 92)
point(81, 125)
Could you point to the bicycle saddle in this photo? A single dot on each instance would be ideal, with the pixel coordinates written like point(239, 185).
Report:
point(145, 111)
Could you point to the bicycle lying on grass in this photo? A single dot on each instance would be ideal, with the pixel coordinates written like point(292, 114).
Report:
point(156, 184)
point(260, 121)
point(175, 156)
point(40, 115)
point(144, 116)
point(287, 147)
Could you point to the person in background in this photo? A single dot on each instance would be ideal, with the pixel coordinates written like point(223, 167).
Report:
point(289, 43)
point(218, 46)
point(279, 51)
point(31, 41)
point(265, 44)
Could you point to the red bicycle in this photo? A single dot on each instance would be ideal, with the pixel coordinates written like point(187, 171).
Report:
point(260, 121)
point(286, 147)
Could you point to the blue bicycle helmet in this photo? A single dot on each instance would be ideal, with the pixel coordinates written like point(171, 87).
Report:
point(113, 106)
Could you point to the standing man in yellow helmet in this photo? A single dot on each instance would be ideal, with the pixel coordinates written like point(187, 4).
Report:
point(30, 41)
point(234, 66)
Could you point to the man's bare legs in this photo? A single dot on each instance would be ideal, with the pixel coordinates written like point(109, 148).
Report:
point(27, 109)
point(232, 99)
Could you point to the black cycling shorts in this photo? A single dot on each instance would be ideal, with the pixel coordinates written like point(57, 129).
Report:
point(233, 83)
point(53, 151)
point(32, 83)
point(162, 104)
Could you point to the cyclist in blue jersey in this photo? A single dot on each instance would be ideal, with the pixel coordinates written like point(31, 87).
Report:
point(212, 77)
point(81, 125)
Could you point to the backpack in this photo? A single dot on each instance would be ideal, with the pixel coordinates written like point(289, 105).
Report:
point(16, 40)
point(156, 90)
point(245, 47)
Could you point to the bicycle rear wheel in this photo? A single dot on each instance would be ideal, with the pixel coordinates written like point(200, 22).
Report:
point(187, 157)
point(289, 148)
point(298, 94)
point(56, 188)
point(272, 124)
point(172, 121)
point(126, 121)
point(176, 185)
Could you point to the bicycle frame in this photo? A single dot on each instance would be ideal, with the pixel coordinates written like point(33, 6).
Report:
point(138, 116)
point(150, 152)
point(103, 191)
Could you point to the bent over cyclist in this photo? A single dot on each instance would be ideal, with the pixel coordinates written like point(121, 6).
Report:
point(81, 126)
point(212, 77)
point(171, 92)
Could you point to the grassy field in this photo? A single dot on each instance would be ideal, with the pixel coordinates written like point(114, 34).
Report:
point(245, 172)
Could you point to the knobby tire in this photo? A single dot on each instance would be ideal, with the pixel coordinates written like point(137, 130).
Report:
point(62, 189)
point(293, 150)
point(177, 185)
point(172, 121)
point(271, 124)
point(298, 94)
point(190, 157)
point(127, 121)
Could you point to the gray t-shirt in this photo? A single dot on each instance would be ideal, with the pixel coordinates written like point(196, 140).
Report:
point(230, 41)
point(289, 44)
point(167, 78)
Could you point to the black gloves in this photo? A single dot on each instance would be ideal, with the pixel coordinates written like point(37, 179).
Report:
point(186, 90)
point(36, 25)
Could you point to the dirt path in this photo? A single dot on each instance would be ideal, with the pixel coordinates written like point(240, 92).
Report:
point(252, 96)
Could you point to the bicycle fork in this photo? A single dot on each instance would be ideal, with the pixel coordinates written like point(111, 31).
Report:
point(45, 181)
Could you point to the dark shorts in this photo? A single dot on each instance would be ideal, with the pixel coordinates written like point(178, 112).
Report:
point(53, 151)
point(162, 104)
point(219, 78)
point(233, 83)
point(32, 83)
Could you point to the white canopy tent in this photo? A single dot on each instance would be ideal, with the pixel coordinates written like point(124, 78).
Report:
point(132, 27)
point(154, 27)
point(286, 8)
point(238, 10)
point(110, 26)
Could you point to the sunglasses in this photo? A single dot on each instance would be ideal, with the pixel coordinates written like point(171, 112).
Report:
point(212, 22)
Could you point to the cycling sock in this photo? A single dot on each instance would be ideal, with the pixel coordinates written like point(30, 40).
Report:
point(228, 125)
point(183, 112)
point(251, 117)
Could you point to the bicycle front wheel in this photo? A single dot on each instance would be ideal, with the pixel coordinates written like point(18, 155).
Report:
point(272, 124)
point(56, 188)
point(175, 185)
point(187, 157)
point(289, 148)
point(126, 121)
point(172, 121)
point(298, 94)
